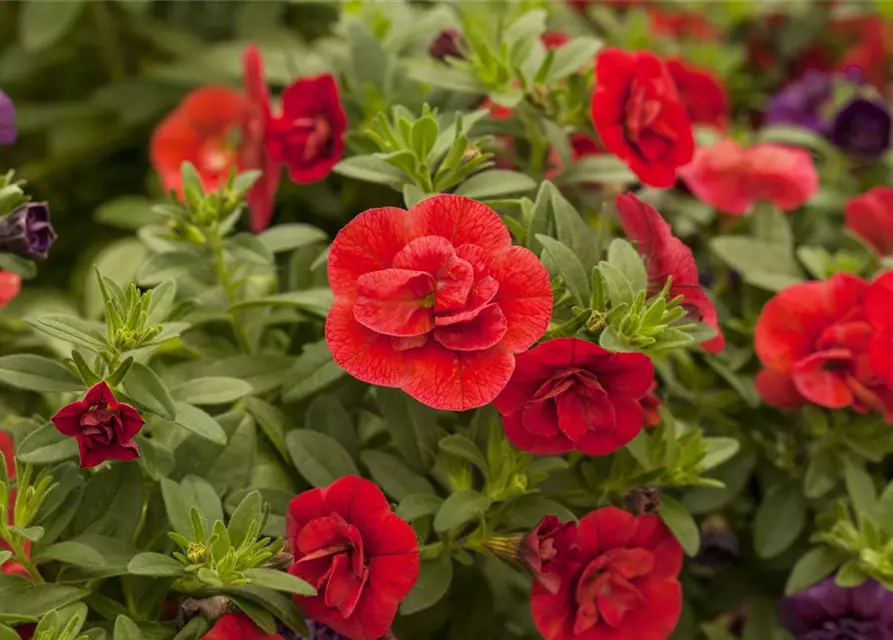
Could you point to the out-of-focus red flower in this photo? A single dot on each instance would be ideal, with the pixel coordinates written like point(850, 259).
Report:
point(622, 584)
point(666, 255)
point(104, 427)
point(545, 549)
point(10, 285)
point(733, 179)
point(554, 39)
point(569, 394)
point(637, 113)
point(434, 300)
point(448, 44)
point(237, 626)
point(868, 51)
point(870, 216)
point(582, 145)
point(650, 405)
point(701, 92)
point(682, 25)
point(308, 136)
point(816, 342)
point(581, 5)
point(362, 559)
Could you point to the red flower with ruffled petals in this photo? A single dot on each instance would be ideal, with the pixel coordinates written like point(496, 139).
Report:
point(10, 285)
point(702, 94)
point(237, 626)
point(666, 255)
point(545, 549)
point(622, 584)
point(569, 394)
point(308, 136)
point(361, 558)
point(638, 115)
point(822, 342)
point(104, 427)
point(870, 216)
point(434, 300)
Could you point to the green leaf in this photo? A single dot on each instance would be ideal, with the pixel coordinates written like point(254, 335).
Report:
point(128, 212)
point(444, 77)
point(264, 372)
point(316, 301)
point(682, 524)
point(464, 448)
point(287, 237)
point(245, 247)
point(43, 24)
point(318, 457)
point(883, 510)
point(251, 508)
point(159, 267)
point(572, 230)
point(162, 303)
point(279, 581)
point(20, 598)
point(822, 474)
point(200, 423)
point(394, 477)
point(199, 493)
point(597, 169)
point(232, 468)
point(36, 373)
point(146, 388)
point(180, 498)
point(45, 445)
point(81, 333)
point(719, 450)
point(327, 415)
point(314, 370)
point(92, 551)
point(279, 605)
point(154, 564)
point(459, 508)
point(617, 285)
point(812, 567)
point(412, 425)
point(625, 259)
point(371, 169)
point(418, 505)
point(432, 584)
point(527, 511)
point(496, 183)
point(779, 520)
point(859, 485)
point(211, 390)
point(272, 421)
point(571, 57)
point(850, 574)
point(568, 267)
point(126, 629)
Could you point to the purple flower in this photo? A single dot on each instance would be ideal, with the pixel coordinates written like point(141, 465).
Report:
point(448, 44)
point(828, 612)
point(7, 120)
point(801, 102)
point(27, 232)
point(862, 128)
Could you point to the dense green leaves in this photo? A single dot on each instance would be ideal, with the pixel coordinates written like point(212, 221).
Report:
point(318, 457)
point(36, 373)
point(779, 520)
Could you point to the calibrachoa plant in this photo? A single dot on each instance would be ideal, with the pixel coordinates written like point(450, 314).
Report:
point(517, 320)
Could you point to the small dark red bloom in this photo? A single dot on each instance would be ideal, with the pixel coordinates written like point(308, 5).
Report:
point(435, 301)
point(237, 626)
point(448, 44)
point(666, 255)
point(308, 136)
point(621, 584)
point(571, 394)
point(546, 548)
point(637, 111)
point(870, 216)
point(104, 427)
point(701, 92)
point(554, 39)
point(362, 559)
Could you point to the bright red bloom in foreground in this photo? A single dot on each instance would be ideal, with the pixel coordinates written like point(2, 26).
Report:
point(237, 626)
point(10, 285)
point(870, 216)
point(701, 92)
point(638, 114)
point(104, 427)
point(571, 394)
point(434, 300)
point(733, 179)
point(828, 343)
point(308, 136)
point(622, 584)
point(665, 256)
point(361, 558)
point(547, 548)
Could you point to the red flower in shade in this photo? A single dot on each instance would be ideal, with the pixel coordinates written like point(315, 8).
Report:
point(665, 256)
point(237, 626)
point(571, 394)
point(308, 136)
point(870, 216)
point(638, 114)
point(621, 584)
point(434, 300)
point(361, 558)
point(545, 549)
point(824, 343)
point(104, 427)
point(10, 285)
point(682, 24)
point(733, 179)
point(650, 405)
point(702, 94)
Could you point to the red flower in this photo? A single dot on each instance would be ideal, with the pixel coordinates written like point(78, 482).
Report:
point(582, 145)
point(26, 631)
point(308, 136)
point(104, 427)
point(361, 558)
point(237, 626)
point(571, 394)
point(828, 343)
point(682, 24)
point(639, 116)
point(733, 179)
point(622, 584)
point(434, 300)
point(666, 255)
point(545, 549)
point(10, 285)
point(870, 216)
point(7, 448)
point(702, 94)
point(554, 39)
point(650, 405)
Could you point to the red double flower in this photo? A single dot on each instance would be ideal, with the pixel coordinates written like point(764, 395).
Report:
point(237, 626)
point(870, 216)
point(361, 558)
point(546, 548)
point(829, 343)
point(434, 300)
point(701, 92)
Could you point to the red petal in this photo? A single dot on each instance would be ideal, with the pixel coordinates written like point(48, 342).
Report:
point(68, 419)
point(395, 302)
point(524, 295)
point(93, 456)
point(879, 302)
point(461, 220)
point(614, 70)
point(540, 418)
point(778, 389)
point(363, 353)
point(823, 386)
point(582, 413)
point(359, 501)
point(526, 440)
point(626, 374)
point(718, 176)
point(553, 614)
point(629, 418)
point(870, 216)
point(435, 255)
point(99, 394)
point(880, 353)
point(132, 420)
point(392, 577)
point(784, 176)
point(482, 332)
point(232, 626)
point(319, 533)
point(343, 589)
point(10, 285)
point(304, 508)
point(658, 619)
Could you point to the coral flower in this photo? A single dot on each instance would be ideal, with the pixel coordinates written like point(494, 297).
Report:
point(870, 216)
point(434, 300)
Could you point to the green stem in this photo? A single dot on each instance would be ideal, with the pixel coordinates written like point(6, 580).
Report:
point(232, 296)
point(18, 548)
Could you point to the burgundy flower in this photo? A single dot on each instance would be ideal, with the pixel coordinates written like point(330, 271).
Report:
point(8, 131)
point(448, 44)
point(862, 128)
point(104, 427)
point(546, 548)
point(27, 232)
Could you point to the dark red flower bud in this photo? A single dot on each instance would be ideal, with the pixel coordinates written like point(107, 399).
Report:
point(27, 232)
point(546, 548)
point(449, 44)
point(643, 500)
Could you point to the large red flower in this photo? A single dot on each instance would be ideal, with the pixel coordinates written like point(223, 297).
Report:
point(237, 626)
point(546, 548)
point(361, 558)
point(666, 255)
point(870, 216)
point(434, 300)
point(638, 114)
point(622, 584)
point(828, 343)
point(701, 92)
point(571, 394)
